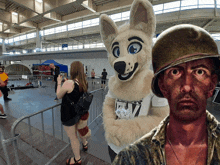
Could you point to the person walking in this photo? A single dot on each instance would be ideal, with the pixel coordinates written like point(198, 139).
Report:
point(4, 88)
point(2, 115)
point(93, 76)
point(104, 75)
point(73, 89)
point(55, 71)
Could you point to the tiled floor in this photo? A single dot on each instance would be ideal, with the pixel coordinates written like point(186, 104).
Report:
point(29, 101)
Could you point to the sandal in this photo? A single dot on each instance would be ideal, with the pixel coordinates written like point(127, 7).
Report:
point(77, 162)
point(85, 147)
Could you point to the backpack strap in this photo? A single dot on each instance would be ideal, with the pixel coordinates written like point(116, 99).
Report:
point(68, 99)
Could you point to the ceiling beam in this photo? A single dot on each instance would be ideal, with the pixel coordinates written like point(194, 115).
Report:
point(27, 4)
point(89, 5)
point(208, 23)
point(12, 30)
point(28, 24)
point(114, 5)
point(5, 17)
point(2, 5)
point(53, 16)
point(3, 35)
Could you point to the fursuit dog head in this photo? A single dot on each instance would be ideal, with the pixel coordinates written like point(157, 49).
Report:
point(129, 50)
point(129, 46)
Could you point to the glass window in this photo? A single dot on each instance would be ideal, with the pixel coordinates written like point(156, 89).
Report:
point(100, 45)
point(1, 40)
point(218, 3)
point(71, 26)
point(171, 6)
point(75, 47)
point(24, 51)
point(31, 35)
point(78, 25)
point(116, 17)
point(42, 33)
point(11, 53)
point(189, 4)
point(216, 36)
point(86, 46)
point(125, 15)
point(206, 4)
point(6, 41)
point(63, 28)
point(56, 48)
point(158, 9)
point(23, 37)
point(58, 29)
point(16, 39)
point(11, 40)
point(43, 50)
point(48, 49)
point(49, 31)
point(86, 23)
point(95, 22)
point(70, 47)
point(80, 46)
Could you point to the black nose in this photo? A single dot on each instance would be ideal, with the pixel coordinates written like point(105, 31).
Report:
point(120, 67)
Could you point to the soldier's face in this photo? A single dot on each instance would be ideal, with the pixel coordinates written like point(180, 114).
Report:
point(187, 87)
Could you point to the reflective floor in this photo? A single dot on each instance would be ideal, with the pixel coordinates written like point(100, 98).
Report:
point(28, 101)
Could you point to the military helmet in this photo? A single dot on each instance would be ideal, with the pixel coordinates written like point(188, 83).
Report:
point(179, 44)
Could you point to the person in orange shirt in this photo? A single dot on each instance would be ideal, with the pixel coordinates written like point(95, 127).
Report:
point(4, 89)
point(2, 115)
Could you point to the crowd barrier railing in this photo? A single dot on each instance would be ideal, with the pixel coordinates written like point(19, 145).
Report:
point(39, 80)
point(22, 80)
point(95, 112)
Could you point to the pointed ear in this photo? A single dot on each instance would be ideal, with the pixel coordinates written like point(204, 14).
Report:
point(142, 17)
point(212, 85)
point(108, 30)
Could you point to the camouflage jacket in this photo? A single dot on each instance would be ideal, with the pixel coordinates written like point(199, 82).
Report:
point(150, 148)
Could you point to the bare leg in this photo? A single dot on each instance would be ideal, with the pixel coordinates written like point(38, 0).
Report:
point(84, 140)
point(72, 134)
point(2, 110)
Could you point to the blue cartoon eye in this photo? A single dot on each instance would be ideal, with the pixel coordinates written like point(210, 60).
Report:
point(116, 52)
point(134, 48)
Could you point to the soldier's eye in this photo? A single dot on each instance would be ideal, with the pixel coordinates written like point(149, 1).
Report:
point(200, 72)
point(175, 72)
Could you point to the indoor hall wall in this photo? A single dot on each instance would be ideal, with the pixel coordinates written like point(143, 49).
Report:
point(98, 64)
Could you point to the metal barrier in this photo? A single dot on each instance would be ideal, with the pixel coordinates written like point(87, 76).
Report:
point(4, 142)
point(95, 112)
point(22, 80)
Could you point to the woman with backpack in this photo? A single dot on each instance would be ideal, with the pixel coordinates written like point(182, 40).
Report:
point(72, 90)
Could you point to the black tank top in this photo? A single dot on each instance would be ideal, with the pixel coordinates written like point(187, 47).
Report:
point(67, 112)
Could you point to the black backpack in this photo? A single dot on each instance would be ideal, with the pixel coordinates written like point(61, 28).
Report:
point(82, 106)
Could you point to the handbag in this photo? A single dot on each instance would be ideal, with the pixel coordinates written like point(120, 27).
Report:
point(83, 104)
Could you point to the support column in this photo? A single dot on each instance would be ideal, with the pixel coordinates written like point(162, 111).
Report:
point(3, 46)
point(38, 41)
